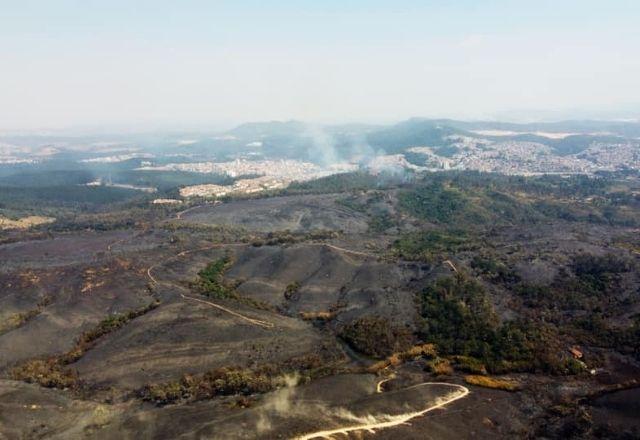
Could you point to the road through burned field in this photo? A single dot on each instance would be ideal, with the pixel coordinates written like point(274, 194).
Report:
point(320, 316)
point(191, 298)
point(372, 422)
point(186, 333)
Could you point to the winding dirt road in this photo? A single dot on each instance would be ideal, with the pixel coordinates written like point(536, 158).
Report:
point(346, 251)
point(373, 423)
point(379, 384)
point(389, 421)
point(179, 214)
point(258, 322)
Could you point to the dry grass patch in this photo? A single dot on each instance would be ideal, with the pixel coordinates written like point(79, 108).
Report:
point(48, 373)
point(439, 367)
point(317, 316)
point(24, 222)
point(417, 351)
point(492, 382)
point(17, 320)
point(469, 364)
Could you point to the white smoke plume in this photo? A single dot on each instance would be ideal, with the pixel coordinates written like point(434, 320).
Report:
point(279, 402)
point(323, 149)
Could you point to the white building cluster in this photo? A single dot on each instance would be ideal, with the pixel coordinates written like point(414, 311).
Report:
point(526, 158)
point(271, 175)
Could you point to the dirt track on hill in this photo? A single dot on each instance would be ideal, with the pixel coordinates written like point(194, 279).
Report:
point(253, 321)
point(387, 421)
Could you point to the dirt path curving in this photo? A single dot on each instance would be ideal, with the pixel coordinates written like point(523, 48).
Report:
point(346, 251)
point(253, 321)
point(387, 421)
point(179, 214)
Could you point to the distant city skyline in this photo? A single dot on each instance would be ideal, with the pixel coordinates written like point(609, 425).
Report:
point(143, 64)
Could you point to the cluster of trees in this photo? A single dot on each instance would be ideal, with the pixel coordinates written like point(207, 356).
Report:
point(595, 330)
point(578, 301)
point(228, 381)
point(472, 199)
point(285, 237)
point(376, 336)
point(593, 280)
point(218, 382)
point(458, 318)
point(210, 279)
point(494, 270)
point(380, 222)
point(71, 197)
point(336, 183)
point(425, 245)
point(434, 202)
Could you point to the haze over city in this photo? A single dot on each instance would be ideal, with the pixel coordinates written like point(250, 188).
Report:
point(162, 64)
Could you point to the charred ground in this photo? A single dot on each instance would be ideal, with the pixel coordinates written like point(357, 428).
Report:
point(273, 317)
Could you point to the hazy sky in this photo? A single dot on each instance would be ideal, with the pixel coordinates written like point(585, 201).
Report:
point(68, 63)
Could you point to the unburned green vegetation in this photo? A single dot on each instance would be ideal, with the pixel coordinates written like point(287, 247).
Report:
point(592, 281)
point(210, 279)
point(436, 202)
point(380, 222)
point(286, 237)
point(211, 283)
point(459, 319)
point(472, 200)
point(345, 182)
point(494, 270)
point(426, 245)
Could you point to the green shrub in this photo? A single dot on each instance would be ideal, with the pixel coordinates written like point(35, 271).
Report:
point(425, 245)
point(378, 223)
point(433, 202)
point(494, 270)
point(469, 365)
point(210, 282)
